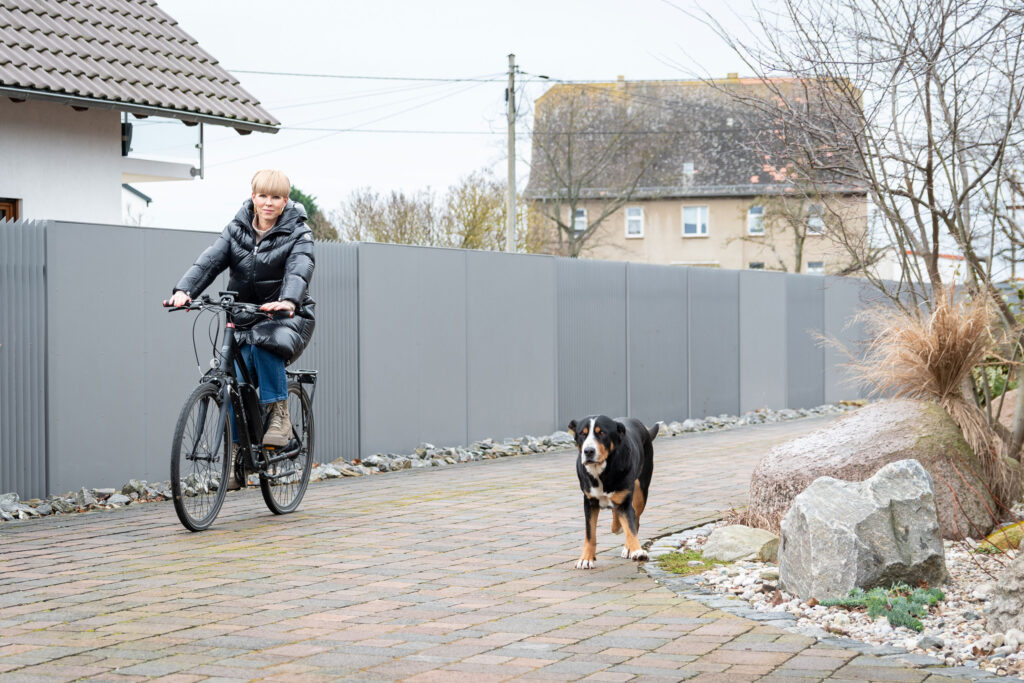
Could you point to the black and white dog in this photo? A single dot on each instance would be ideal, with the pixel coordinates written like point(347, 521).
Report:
point(616, 460)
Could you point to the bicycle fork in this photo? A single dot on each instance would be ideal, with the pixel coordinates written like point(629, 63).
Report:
point(219, 434)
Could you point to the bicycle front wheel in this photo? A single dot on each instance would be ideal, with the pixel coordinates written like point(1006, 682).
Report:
point(285, 474)
point(200, 458)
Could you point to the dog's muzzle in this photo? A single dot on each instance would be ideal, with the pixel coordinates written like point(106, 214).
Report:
point(589, 455)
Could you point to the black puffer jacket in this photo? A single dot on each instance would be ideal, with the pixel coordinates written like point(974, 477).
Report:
point(279, 267)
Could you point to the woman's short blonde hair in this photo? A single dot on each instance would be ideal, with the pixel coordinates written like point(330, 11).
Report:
point(271, 182)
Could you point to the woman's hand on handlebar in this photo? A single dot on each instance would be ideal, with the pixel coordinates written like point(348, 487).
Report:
point(283, 305)
point(178, 299)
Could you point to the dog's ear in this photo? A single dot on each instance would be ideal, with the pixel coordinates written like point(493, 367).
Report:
point(572, 427)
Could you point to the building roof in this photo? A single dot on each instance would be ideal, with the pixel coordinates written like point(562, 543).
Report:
point(127, 55)
point(675, 139)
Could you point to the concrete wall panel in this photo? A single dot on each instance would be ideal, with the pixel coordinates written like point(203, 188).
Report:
point(591, 339)
point(762, 353)
point(412, 341)
point(805, 359)
point(657, 338)
point(714, 342)
point(511, 350)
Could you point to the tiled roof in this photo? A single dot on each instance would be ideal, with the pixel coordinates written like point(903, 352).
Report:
point(734, 149)
point(125, 54)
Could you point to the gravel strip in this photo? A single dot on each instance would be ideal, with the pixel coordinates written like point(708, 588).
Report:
point(954, 633)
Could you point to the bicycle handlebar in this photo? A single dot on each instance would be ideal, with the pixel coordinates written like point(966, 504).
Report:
point(228, 304)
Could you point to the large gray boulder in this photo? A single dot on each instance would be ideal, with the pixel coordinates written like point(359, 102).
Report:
point(1005, 609)
point(840, 535)
point(855, 446)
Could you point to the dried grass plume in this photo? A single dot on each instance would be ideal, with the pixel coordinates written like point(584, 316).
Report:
point(931, 357)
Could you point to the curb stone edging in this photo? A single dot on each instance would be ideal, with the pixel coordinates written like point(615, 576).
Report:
point(689, 587)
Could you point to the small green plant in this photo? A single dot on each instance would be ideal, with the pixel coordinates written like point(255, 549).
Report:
point(678, 562)
point(901, 604)
point(986, 548)
point(996, 374)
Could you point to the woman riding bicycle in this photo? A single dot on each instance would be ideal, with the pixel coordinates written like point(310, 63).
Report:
point(268, 249)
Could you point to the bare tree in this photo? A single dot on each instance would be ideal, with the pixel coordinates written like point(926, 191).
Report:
point(473, 215)
point(919, 101)
point(593, 145)
point(470, 215)
point(397, 218)
point(788, 220)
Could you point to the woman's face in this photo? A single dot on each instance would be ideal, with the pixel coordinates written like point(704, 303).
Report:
point(268, 206)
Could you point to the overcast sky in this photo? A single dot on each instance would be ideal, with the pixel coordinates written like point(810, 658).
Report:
point(450, 39)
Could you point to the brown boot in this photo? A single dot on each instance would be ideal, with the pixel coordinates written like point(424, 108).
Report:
point(279, 433)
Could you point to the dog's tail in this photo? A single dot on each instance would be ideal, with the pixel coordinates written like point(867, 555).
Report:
point(653, 431)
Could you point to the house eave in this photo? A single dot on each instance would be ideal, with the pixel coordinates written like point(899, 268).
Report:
point(243, 127)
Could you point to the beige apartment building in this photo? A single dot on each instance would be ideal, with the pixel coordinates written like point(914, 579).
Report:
point(717, 232)
point(681, 173)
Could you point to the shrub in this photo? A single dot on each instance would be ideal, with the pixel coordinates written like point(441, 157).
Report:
point(900, 604)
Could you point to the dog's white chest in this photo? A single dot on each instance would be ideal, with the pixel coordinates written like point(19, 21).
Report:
point(598, 494)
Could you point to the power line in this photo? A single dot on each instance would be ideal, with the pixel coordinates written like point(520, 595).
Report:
point(495, 78)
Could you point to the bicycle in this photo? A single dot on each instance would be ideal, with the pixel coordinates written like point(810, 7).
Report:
point(201, 450)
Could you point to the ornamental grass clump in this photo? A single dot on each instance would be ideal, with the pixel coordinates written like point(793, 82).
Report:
point(932, 357)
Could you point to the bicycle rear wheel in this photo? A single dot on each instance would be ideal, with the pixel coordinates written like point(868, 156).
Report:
point(200, 458)
point(286, 472)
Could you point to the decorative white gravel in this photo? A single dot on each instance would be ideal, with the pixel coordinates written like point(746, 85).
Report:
point(954, 630)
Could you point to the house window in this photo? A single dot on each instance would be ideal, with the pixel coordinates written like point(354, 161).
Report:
point(756, 265)
point(695, 221)
point(579, 221)
point(8, 209)
point(755, 220)
point(815, 219)
point(815, 267)
point(634, 221)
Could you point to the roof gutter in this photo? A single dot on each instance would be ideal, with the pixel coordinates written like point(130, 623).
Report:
point(243, 127)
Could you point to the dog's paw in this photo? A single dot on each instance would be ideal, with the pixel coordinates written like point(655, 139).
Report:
point(586, 564)
point(639, 555)
point(625, 552)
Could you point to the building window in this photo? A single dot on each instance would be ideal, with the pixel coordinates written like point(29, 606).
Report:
point(755, 265)
point(695, 221)
point(579, 221)
point(634, 221)
point(815, 219)
point(8, 209)
point(755, 220)
point(815, 267)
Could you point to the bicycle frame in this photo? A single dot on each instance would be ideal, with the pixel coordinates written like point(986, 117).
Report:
point(249, 422)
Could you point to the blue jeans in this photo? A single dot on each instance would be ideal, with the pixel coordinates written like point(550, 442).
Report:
point(267, 370)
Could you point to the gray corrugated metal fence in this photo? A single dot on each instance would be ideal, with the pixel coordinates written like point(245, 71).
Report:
point(412, 345)
point(22, 357)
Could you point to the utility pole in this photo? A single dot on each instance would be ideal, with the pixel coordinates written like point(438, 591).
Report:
point(510, 102)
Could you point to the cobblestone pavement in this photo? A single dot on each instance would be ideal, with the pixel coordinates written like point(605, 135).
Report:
point(446, 574)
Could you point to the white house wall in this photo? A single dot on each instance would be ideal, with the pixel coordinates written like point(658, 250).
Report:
point(60, 163)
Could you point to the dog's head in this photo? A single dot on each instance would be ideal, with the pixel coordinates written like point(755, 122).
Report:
point(596, 437)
